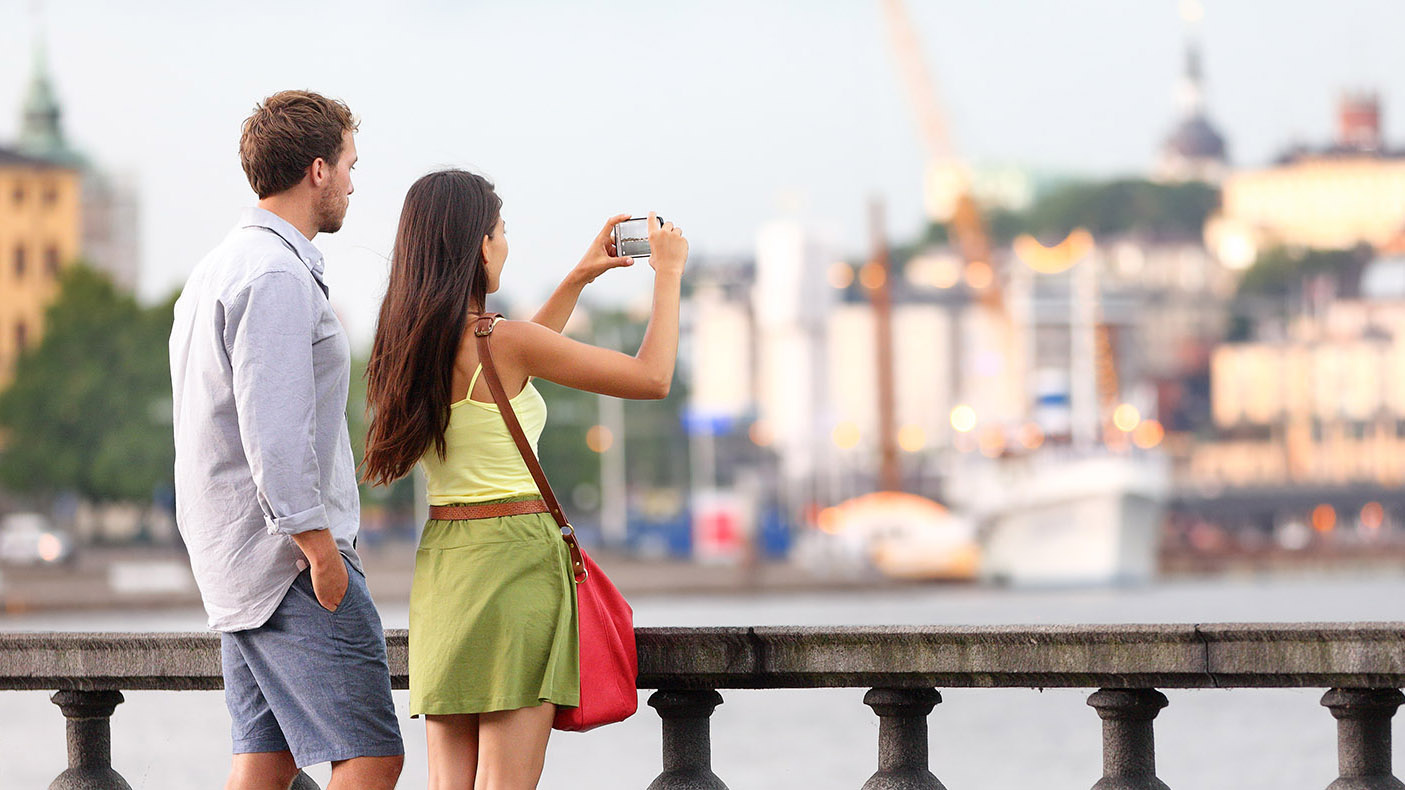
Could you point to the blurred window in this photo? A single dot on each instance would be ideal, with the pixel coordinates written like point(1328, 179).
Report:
point(51, 193)
point(20, 263)
point(1316, 430)
point(51, 261)
point(18, 194)
point(21, 335)
point(1358, 429)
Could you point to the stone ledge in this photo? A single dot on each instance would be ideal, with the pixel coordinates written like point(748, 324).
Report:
point(1221, 655)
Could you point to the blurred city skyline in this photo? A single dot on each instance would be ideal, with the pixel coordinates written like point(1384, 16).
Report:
point(798, 110)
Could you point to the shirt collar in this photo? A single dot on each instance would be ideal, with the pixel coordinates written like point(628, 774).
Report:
point(307, 252)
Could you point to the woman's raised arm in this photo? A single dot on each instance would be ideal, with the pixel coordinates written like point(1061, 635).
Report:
point(537, 350)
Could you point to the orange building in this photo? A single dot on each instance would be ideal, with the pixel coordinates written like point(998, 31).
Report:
point(54, 209)
point(40, 233)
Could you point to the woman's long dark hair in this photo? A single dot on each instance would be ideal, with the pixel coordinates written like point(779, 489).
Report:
point(436, 277)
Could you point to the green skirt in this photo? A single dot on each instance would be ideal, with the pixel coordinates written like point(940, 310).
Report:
point(493, 623)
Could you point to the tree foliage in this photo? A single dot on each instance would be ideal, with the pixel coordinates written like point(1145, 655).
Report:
point(1139, 207)
point(89, 410)
point(1106, 208)
point(1281, 271)
point(1273, 288)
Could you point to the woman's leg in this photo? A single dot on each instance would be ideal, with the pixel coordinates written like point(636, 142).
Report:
point(453, 750)
point(512, 747)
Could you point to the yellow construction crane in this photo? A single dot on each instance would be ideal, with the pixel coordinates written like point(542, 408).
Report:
point(947, 185)
point(949, 200)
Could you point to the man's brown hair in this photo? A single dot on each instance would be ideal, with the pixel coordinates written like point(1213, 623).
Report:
point(286, 133)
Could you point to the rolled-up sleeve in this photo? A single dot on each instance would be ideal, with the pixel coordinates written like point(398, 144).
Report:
point(268, 333)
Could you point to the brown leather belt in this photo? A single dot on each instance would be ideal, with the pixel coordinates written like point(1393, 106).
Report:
point(490, 510)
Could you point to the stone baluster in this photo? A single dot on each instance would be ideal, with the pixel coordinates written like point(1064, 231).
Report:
point(902, 738)
point(1363, 737)
point(89, 731)
point(687, 739)
point(1129, 752)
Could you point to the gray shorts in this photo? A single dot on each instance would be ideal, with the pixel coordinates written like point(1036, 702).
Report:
point(311, 681)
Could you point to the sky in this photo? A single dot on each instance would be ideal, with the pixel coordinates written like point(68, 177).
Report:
point(720, 115)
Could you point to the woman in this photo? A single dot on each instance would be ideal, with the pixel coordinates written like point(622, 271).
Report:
point(493, 639)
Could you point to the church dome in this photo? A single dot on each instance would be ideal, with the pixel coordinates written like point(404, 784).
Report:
point(1195, 138)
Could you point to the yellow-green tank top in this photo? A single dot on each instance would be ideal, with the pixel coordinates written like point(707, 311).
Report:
point(482, 462)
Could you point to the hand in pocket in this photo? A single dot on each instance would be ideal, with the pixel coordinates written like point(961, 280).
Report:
point(329, 583)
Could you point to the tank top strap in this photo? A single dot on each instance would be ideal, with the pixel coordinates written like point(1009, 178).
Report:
point(474, 380)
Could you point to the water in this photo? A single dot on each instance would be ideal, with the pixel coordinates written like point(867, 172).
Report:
point(980, 738)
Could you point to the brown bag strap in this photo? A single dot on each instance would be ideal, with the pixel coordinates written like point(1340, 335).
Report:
point(482, 330)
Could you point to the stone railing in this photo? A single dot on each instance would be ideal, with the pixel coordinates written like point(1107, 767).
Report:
point(1361, 664)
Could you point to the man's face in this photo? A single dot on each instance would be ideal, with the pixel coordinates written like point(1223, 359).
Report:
point(333, 199)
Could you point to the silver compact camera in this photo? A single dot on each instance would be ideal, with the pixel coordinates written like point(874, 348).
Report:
point(632, 237)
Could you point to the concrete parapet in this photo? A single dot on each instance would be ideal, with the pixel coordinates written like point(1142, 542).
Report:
point(1363, 664)
point(1282, 655)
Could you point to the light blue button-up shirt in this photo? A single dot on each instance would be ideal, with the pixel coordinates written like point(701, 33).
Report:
point(259, 373)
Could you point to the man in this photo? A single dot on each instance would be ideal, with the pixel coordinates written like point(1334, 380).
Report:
point(266, 496)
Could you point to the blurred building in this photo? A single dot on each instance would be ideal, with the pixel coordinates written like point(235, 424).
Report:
point(55, 208)
point(1179, 293)
point(756, 360)
point(1323, 405)
point(784, 354)
point(1351, 192)
point(925, 384)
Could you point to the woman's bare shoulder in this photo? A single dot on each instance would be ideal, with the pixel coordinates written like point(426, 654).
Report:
point(515, 336)
point(513, 343)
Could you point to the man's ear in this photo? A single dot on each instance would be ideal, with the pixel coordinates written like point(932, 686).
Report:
point(318, 171)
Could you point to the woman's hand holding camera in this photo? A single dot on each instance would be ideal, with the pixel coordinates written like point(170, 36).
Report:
point(668, 250)
point(602, 255)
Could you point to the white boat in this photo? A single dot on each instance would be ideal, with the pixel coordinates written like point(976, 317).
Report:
point(1054, 517)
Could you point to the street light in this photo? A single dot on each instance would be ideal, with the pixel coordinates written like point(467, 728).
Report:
point(911, 438)
point(1126, 417)
point(841, 275)
point(599, 438)
point(1324, 518)
point(963, 418)
point(1031, 436)
point(846, 435)
point(872, 276)
point(979, 275)
point(1148, 434)
point(761, 434)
